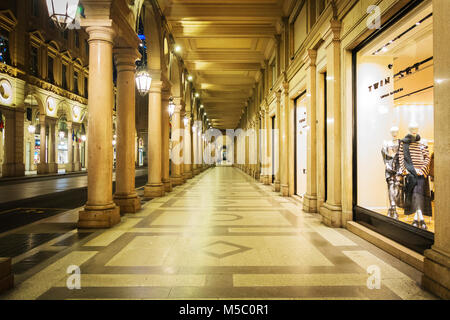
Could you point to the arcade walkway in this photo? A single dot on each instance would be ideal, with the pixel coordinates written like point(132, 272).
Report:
point(220, 235)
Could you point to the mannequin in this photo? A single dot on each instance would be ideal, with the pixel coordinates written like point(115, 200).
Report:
point(390, 153)
point(415, 165)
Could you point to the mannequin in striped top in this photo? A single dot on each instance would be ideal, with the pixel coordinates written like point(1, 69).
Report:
point(414, 160)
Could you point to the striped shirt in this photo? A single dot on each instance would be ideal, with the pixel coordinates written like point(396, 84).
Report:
point(420, 156)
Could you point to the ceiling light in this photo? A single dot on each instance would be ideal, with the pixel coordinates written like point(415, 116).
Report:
point(62, 12)
point(143, 81)
point(190, 78)
point(177, 48)
point(197, 94)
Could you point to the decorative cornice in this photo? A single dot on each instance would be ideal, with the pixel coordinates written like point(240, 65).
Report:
point(57, 90)
point(11, 71)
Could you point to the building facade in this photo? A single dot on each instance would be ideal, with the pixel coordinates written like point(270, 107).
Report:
point(43, 75)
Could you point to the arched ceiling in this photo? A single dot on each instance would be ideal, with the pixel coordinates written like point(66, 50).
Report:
point(224, 45)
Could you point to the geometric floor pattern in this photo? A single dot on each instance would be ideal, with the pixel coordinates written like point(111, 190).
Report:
point(221, 235)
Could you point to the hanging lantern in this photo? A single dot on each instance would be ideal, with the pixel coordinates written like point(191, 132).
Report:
point(171, 107)
point(186, 121)
point(62, 12)
point(143, 81)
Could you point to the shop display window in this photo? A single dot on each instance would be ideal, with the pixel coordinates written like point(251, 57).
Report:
point(394, 121)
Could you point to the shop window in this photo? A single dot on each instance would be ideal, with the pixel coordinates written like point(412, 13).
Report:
point(64, 76)
point(395, 124)
point(34, 61)
point(273, 70)
point(320, 6)
point(75, 83)
point(86, 87)
point(51, 77)
point(4, 49)
point(114, 74)
point(35, 8)
point(77, 39)
point(86, 48)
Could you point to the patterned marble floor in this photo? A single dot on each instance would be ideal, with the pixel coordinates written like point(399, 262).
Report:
point(221, 235)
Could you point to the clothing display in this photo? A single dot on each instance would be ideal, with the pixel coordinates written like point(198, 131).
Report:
point(414, 159)
point(394, 179)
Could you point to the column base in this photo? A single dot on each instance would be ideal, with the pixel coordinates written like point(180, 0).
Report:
point(77, 166)
point(13, 170)
point(176, 181)
point(284, 190)
point(276, 186)
point(70, 167)
point(188, 175)
point(99, 218)
point(196, 171)
point(42, 168)
point(310, 204)
point(436, 274)
point(167, 185)
point(128, 203)
point(331, 215)
point(154, 191)
point(52, 167)
point(6, 275)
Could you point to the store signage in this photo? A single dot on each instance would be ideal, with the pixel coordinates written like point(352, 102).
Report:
point(379, 84)
point(391, 93)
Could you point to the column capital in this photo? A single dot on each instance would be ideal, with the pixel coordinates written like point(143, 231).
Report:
point(125, 58)
point(278, 95)
point(156, 87)
point(179, 101)
point(310, 58)
point(286, 87)
point(101, 33)
point(333, 32)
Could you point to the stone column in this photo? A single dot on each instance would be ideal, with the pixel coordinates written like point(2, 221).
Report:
point(331, 210)
point(181, 144)
point(268, 150)
point(248, 141)
point(176, 178)
point(284, 155)
point(13, 165)
point(70, 155)
point(154, 187)
point(263, 160)
point(100, 210)
point(42, 165)
point(310, 198)
point(165, 128)
point(436, 276)
point(125, 196)
point(187, 149)
point(77, 160)
point(258, 142)
point(278, 135)
point(194, 149)
point(52, 147)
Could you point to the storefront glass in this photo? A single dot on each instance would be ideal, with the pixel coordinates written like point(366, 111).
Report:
point(63, 152)
point(301, 145)
point(394, 121)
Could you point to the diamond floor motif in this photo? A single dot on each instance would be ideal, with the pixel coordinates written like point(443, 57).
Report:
point(221, 249)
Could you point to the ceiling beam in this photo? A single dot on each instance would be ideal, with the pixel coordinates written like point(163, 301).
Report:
point(207, 30)
point(233, 12)
point(221, 66)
